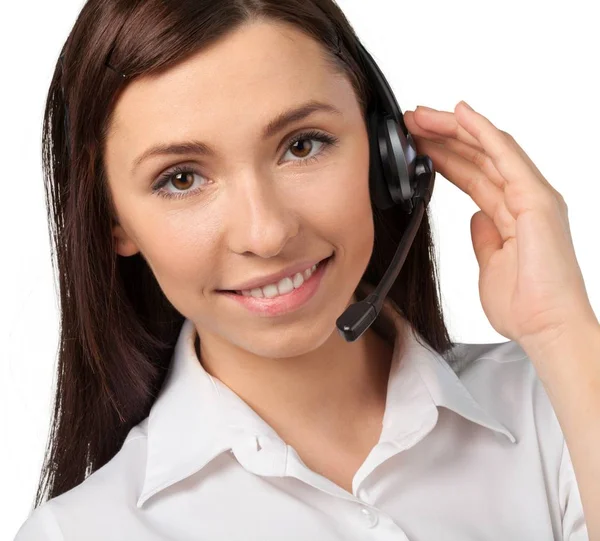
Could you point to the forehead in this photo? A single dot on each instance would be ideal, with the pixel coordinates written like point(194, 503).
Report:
point(257, 70)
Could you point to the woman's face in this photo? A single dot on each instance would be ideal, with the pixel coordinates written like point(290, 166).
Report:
point(233, 201)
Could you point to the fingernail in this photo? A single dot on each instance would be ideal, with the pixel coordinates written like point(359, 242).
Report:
point(426, 108)
point(467, 105)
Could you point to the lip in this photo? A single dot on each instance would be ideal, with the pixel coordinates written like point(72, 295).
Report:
point(283, 304)
point(273, 278)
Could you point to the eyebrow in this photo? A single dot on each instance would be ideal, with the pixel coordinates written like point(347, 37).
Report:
point(272, 128)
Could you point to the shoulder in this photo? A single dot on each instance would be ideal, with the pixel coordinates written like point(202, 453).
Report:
point(41, 525)
point(90, 505)
point(503, 380)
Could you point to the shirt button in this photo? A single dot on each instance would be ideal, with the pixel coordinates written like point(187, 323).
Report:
point(370, 517)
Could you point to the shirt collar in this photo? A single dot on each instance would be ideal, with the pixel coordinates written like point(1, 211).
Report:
point(196, 417)
point(417, 366)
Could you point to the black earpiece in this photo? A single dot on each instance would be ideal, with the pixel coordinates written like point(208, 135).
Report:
point(397, 176)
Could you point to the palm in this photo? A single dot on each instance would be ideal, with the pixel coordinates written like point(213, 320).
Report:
point(530, 283)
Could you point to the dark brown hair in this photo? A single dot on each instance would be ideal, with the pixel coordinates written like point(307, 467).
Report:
point(118, 329)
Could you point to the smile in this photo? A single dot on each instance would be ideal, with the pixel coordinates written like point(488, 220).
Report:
point(287, 295)
point(283, 287)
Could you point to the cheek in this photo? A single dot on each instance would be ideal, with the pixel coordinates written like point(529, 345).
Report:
point(180, 250)
point(342, 206)
point(356, 220)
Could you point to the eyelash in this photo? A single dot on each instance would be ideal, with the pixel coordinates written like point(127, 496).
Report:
point(328, 141)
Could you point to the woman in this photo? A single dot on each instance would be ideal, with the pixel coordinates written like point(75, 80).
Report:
point(208, 181)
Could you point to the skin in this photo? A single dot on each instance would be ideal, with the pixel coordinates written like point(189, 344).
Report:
point(530, 283)
point(264, 205)
point(262, 215)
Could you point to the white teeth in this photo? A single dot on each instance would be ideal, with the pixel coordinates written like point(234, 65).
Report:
point(282, 287)
point(285, 286)
point(270, 291)
point(298, 280)
point(257, 292)
point(308, 272)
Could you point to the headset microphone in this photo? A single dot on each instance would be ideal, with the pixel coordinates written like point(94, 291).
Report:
point(397, 176)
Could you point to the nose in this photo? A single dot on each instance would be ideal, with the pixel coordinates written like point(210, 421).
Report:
point(260, 218)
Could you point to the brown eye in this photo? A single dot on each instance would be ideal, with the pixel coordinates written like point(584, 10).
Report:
point(309, 146)
point(182, 181)
point(179, 182)
point(303, 148)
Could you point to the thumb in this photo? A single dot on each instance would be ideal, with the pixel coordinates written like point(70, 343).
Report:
point(485, 237)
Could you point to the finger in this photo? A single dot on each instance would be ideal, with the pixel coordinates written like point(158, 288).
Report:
point(505, 154)
point(472, 180)
point(485, 238)
point(528, 160)
point(439, 122)
point(455, 140)
point(418, 130)
point(474, 155)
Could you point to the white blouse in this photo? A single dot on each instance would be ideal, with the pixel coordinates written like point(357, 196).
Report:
point(470, 449)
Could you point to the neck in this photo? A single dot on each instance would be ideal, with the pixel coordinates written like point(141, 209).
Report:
point(330, 391)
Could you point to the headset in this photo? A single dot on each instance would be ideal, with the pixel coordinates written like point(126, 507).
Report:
point(397, 176)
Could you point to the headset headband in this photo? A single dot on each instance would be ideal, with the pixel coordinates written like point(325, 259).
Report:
point(385, 96)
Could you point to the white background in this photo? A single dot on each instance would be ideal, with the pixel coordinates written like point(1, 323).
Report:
point(530, 66)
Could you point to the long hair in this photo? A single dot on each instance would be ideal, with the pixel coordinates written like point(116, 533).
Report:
point(117, 328)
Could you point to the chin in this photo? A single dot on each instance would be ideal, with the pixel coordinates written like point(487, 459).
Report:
point(298, 339)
